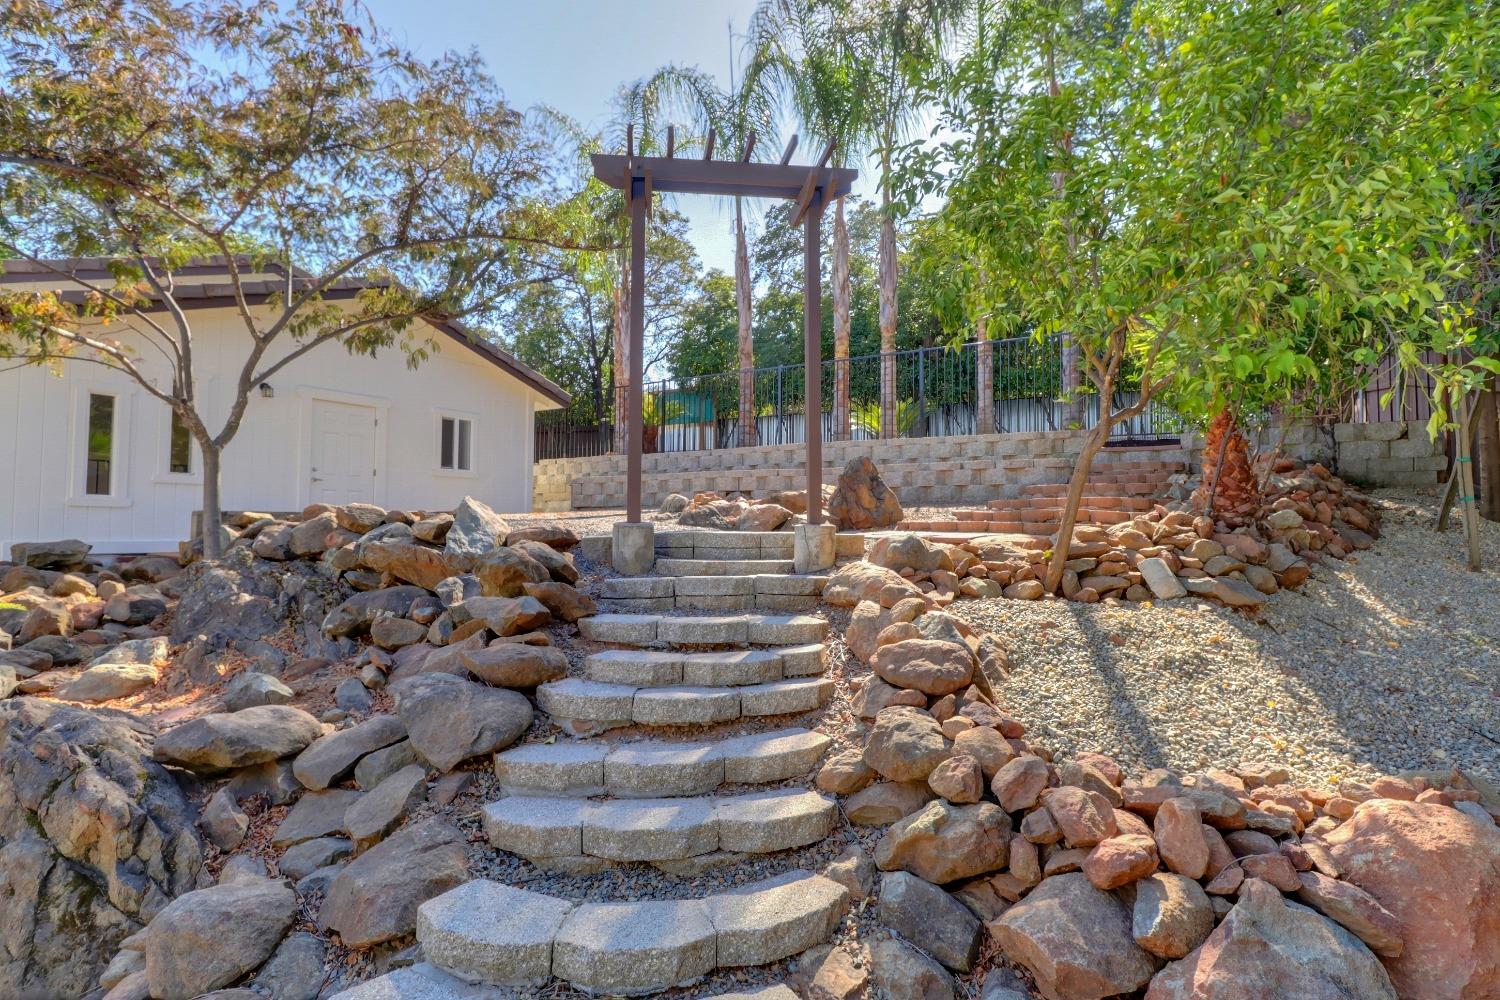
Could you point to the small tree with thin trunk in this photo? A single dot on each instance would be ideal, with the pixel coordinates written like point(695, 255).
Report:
point(1166, 187)
point(295, 146)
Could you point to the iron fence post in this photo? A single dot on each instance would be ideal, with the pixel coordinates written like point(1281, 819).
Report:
point(919, 428)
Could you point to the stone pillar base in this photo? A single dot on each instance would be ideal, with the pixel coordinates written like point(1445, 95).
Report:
point(633, 547)
point(813, 547)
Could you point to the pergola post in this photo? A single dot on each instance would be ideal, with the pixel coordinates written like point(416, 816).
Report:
point(812, 351)
point(634, 409)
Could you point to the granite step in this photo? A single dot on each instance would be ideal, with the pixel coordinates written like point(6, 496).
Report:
point(654, 769)
point(486, 932)
point(773, 592)
point(722, 567)
point(606, 706)
point(726, 668)
point(717, 630)
point(665, 829)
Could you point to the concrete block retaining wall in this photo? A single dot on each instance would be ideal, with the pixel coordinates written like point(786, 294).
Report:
point(965, 469)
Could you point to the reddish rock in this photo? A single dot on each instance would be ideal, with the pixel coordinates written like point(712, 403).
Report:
point(1075, 940)
point(1437, 871)
point(1018, 784)
point(1119, 861)
point(1084, 818)
point(1349, 905)
point(1273, 868)
point(1171, 915)
point(862, 500)
point(944, 843)
point(958, 779)
point(885, 802)
point(1269, 948)
point(930, 666)
point(1179, 838)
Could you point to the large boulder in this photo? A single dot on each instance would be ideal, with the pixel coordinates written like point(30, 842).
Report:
point(476, 529)
point(421, 565)
point(1076, 941)
point(329, 759)
point(359, 612)
point(864, 581)
point(449, 719)
point(108, 681)
point(1437, 871)
point(905, 744)
point(240, 600)
point(95, 839)
point(211, 937)
point(504, 572)
point(66, 554)
point(210, 744)
point(1269, 947)
point(862, 501)
point(944, 842)
point(375, 897)
point(516, 664)
point(931, 919)
point(927, 665)
point(912, 552)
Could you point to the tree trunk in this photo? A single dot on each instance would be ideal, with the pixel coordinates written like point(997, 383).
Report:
point(1092, 445)
point(746, 340)
point(840, 323)
point(211, 523)
point(1229, 488)
point(1074, 414)
point(984, 380)
point(1487, 450)
point(888, 427)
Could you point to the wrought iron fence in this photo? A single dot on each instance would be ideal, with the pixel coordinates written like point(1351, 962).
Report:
point(1003, 386)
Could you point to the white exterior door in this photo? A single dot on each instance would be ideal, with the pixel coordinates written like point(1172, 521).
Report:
point(343, 453)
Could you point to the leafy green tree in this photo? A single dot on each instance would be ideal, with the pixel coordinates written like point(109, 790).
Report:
point(297, 140)
point(563, 324)
point(894, 38)
point(813, 62)
point(1172, 185)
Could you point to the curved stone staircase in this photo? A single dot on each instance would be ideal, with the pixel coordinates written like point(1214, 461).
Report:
point(577, 804)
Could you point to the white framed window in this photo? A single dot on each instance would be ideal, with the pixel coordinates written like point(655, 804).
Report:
point(455, 444)
point(100, 467)
point(179, 447)
point(100, 454)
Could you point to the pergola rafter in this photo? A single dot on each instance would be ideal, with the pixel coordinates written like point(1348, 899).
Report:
point(810, 187)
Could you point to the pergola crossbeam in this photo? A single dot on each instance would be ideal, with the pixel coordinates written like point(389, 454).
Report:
point(810, 188)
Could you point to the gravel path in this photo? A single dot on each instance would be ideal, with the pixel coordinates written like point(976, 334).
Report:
point(1387, 662)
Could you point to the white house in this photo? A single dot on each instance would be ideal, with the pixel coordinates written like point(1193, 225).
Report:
point(86, 452)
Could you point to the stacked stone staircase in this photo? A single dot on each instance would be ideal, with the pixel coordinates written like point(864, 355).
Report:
point(713, 801)
point(1123, 482)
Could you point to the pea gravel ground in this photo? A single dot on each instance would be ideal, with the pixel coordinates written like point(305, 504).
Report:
point(1384, 663)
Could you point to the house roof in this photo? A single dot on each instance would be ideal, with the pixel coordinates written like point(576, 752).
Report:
point(194, 290)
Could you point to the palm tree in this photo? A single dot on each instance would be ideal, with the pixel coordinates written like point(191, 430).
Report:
point(739, 116)
point(891, 35)
point(810, 60)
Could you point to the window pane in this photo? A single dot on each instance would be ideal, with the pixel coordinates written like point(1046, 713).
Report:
point(445, 457)
point(463, 445)
point(101, 444)
point(182, 446)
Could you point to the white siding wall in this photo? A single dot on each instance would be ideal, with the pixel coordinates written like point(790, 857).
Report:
point(268, 465)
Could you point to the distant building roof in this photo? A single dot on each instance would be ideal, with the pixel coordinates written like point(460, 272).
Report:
point(195, 289)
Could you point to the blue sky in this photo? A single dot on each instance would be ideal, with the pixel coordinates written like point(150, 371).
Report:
point(574, 54)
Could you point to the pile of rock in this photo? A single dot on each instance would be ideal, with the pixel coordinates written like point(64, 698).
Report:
point(777, 512)
point(861, 501)
point(1161, 555)
point(1099, 884)
point(69, 626)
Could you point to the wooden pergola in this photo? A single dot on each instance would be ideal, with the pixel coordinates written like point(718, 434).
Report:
point(810, 187)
